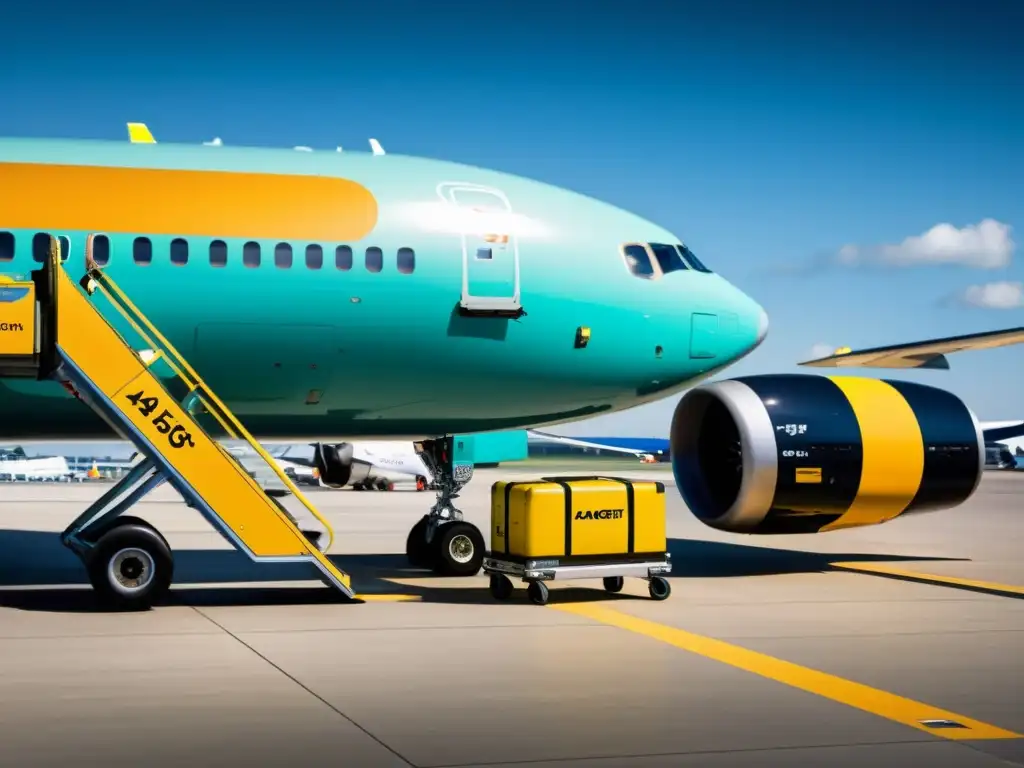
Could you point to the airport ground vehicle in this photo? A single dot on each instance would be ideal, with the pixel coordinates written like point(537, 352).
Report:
point(55, 331)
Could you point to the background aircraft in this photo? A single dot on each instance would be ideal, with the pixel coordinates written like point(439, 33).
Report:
point(15, 465)
point(646, 449)
point(375, 464)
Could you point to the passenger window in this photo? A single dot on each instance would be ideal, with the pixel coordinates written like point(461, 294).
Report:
point(692, 259)
point(668, 258)
point(282, 256)
point(314, 257)
point(101, 250)
point(406, 260)
point(374, 259)
point(142, 250)
point(6, 246)
point(41, 247)
point(218, 253)
point(638, 261)
point(484, 253)
point(251, 254)
point(343, 258)
point(179, 251)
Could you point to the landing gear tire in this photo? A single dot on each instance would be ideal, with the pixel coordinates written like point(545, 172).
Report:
point(537, 592)
point(501, 587)
point(417, 550)
point(130, 566)
point(459, 549)
point(613, 584)
point(659, 588)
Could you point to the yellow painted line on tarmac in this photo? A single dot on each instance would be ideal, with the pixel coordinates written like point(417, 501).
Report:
point(388, 598)
point(863, 697)
point(930, 578)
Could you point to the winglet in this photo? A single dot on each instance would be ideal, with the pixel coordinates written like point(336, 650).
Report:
point(139, 133)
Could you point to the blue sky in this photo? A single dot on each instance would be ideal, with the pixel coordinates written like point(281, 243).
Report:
point(768, 135)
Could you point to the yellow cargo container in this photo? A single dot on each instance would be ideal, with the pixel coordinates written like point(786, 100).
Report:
point(577, 528)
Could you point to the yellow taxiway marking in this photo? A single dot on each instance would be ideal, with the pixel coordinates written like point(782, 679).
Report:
point(952, 581)
point(924, 717)
point(388, 598)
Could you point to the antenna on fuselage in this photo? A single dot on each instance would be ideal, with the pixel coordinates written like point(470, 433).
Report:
point(376, 147)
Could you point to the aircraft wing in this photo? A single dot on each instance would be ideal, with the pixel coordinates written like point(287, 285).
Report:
point(921, 354)
point(1002, 430)
point(583, 443)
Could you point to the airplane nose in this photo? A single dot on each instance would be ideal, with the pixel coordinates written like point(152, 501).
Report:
point(762, 326)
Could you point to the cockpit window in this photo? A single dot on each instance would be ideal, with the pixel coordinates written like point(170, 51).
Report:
point(692, 259)
point(668, 258)
point(638, 261)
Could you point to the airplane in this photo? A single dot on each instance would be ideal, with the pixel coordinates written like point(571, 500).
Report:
point(649, 450)
point(331, 296)
point(16, 465)
point(374, 465)
point(999, 456)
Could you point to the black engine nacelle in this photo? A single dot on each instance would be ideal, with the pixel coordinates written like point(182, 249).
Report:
point(803, 453)
point(334, 463)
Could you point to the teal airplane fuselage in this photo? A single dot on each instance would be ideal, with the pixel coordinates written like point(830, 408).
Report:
point(333, 295)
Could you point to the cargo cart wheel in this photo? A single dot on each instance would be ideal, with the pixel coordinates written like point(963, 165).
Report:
point(613, 584)
point(417, 551)
point(537, 592)
point(659, 588)
point(459, 549)
point(501, 587)
point(130, 567)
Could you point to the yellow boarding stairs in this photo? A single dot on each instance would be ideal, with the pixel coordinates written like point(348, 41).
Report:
point(49, 329)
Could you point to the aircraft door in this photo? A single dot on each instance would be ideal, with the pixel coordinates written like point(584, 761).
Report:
point(490, 250)
point(704, 336)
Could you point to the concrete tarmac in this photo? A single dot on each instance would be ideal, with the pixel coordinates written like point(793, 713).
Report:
point(887, 646)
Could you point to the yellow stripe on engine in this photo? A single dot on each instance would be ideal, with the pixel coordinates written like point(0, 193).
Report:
point(893, 448)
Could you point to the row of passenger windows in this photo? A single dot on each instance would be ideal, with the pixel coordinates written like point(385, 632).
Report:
point(670, 258)
point(252, 253)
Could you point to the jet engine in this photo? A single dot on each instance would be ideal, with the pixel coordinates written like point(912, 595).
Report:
point(335, 465)
point(801, 453)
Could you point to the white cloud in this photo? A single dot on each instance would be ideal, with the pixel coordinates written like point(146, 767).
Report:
point(986, 245)
point(821, 349)
point(1004, 295)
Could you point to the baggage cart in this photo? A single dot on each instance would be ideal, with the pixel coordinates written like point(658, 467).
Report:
point(577, 528)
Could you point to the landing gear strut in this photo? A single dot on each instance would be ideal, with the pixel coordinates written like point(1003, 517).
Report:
point(442, 541)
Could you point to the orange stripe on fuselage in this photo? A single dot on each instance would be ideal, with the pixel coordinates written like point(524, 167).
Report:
point(58, 198)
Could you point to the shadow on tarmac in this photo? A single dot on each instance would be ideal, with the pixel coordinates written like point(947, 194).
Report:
point(37, 573)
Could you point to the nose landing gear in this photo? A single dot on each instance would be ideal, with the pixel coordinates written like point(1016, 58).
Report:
point(442, 541)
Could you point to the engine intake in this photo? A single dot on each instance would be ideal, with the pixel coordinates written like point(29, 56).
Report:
point(334, 463)
point(802, 453)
